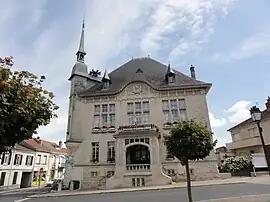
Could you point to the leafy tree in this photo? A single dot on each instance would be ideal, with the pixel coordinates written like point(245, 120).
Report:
point(24, 104)
point(189, 141)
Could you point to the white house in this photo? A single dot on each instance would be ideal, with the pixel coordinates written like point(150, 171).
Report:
point(16, 168)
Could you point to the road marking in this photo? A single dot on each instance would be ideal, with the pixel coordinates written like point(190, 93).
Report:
point(20, 200)
point(235, 197)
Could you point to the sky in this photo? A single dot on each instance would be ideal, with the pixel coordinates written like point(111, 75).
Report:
point(228, 41)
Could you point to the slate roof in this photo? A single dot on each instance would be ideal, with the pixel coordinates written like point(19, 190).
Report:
point(265, 114)
point(146, 70)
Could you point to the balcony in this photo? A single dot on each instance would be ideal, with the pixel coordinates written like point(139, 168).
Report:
point(138, 167)
point(138, 127)
point(250, 142)
point(169, 125)
point(104, 129)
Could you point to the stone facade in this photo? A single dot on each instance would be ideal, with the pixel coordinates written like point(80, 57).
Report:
point(81, 129)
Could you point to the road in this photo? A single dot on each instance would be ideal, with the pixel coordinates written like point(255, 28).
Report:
point(172, 195)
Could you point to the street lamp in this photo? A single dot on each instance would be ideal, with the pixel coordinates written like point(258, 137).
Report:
point(256, 116)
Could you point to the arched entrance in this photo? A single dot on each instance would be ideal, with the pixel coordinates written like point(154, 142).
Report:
point(138, 154)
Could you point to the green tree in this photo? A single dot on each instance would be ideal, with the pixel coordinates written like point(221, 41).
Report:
point(24, 104)
point(189, 141)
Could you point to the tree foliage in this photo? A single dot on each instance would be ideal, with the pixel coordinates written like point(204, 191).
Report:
point(235, 164)
point(24, 104)
point(189, 140)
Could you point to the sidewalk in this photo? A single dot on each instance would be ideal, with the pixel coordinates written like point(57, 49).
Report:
point(20, 190)
point(257, 180)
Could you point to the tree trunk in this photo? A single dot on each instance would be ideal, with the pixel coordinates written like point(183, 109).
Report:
point(188, 183)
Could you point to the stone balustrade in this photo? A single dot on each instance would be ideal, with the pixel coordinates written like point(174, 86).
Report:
point(138, 167)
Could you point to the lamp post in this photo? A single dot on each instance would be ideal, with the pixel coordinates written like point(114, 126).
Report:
point(256, 116)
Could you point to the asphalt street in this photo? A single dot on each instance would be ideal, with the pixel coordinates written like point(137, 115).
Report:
point(172, 195)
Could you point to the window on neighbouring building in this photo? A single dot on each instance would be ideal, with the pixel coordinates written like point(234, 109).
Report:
point(2, 179)
point(18, 159)
point(111, 152)
point(104, 115)
point(171, 172)
point(174, 110)
point(94, 174)
point(29, 160)
point(15, 175)
point(45, 160)
point(252, 132)
point(95, 152)
point(38, 159)
point(138, 112)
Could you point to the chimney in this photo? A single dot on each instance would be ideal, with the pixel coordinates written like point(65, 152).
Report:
point(60, 144)
point(267, 104)
point(192, 72)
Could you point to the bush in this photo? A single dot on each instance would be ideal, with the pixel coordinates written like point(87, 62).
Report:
point(235, 164)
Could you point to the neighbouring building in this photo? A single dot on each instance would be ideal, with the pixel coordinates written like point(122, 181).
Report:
point(222, 153)
point(16, 168)
point(49, 158)
point(117, 122)
point(245, 135)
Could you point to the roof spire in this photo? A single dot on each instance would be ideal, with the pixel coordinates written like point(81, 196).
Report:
point(106, 77)
point(81, 52)
point(169, 70)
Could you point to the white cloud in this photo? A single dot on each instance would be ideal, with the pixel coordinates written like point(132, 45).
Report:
point(254, 45)
point(115, 31)
point(190, 21)
point(239, 111)
point(216, 122)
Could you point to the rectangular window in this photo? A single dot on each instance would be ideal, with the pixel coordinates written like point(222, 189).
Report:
point(112, 119)
point(96, 120)
point(106, 117)
point(105, 108)
point(97, 109)
point(38, 159)
point(111, 152)
point(15, 175)
point(174, 110)
point(165, 104)
point(45, 160)
point(104, 120)
point(18, 159)
point(2, 179)
point(112, 108)
point(138, 113)
point(29, 160)
point(95, 152)
point(94, 174)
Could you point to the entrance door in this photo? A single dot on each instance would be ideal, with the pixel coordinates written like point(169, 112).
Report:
point(26, 179)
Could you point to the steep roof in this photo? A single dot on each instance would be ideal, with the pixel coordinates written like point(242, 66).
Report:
point(143, 69)
point(44, 146)
point(265, 114)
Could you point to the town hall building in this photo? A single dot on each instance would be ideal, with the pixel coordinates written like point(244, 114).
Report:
point(117, 122)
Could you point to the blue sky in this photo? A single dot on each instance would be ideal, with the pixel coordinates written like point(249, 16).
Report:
point(228, 41)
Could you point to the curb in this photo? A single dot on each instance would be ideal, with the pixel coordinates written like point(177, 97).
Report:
point(246, 198)
point(79, 193)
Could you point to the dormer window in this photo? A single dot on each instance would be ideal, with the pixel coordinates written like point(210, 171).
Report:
point(106, 80)
point(106, 85)
point(171, 79)
point(170, 75)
